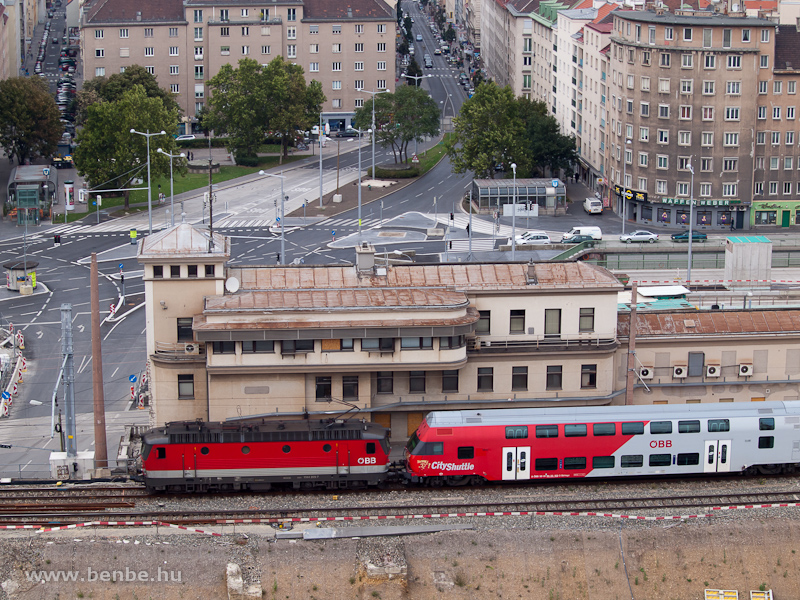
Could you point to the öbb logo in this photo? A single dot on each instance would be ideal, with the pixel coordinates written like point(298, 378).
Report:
point(661, 444)
point(369, 460)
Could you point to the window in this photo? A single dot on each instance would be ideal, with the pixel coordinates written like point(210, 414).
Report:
point(664, 59)
point(790, 113)
point(663, 136)
point(198, 71)
point(708, 88)
point(687, 61)
point(258, 346)
point(519, 378)
point(707, 139)
point(668, 33)
point(660, 460)
point(588, 376)
point(686, 86)
point(337, 66)
point(174, 70)
point(631, 460)
point(337, 29)
point(733, 88)
point(199, 91)
point(414, 343)
point(644, 134)
point(585, 320)
point(574, 462)
point(385, 382)
point(100, 72)
point(547, 431)
point(98, 34)
point(660, 427)
point(416, 382)
point(173, 50)
point(186, 386)
point(266, 30)
point(382, 47)
point(604, 429)
point(705, 190)
point(517, 321)
point(123, 33)
point(734, 61)
point(603, 462)
point(663, 111)
point(730, 164)
point(359, 29)
point(776, 113)
point(198, 52)
point(465, 452)
point(731, 139)
point(291, 14)
point(485, 379)
point(662, 161)
point(575, 430)
point(636, 428)
point(791, 87)
point(762, 87)
point(359, 47)
point(350, 387)
point(731, 113)
point(553, 377)
point(777, 86)
point(382, 344)
point(297, 346)
point(359, 84)
point(381, 28)
point(336, 85)
point(644, 109)
point(766, 442)
point(245, 12)
point(518, 432)
point(484, 324)
point(684, 138)
point(716, 425)
point(764, 61)
point(449, 381)
point(323, 389)
point(223, 14)
point(775, 138)
point(381, 65)
point(645, 84)
point(687, 34)
point(100, 52)
point(546, 464)
point(312, 67)
point(314, 49)
point(661, 188)
point(198, 16)
point(682, 189)
point(291, 51)
point(359, 66)
point(710, 61)
point(552, 322)
point(761, 138)
point(291, 33)
point(643, 158)
point(224, 50)
point(766, 424)
point(174, 88)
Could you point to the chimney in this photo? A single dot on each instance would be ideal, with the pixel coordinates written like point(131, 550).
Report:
point(365, 258)
point(532, 279)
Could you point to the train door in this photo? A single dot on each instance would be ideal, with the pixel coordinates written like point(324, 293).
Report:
point(717, 457)
point(517, 463)
point(342, 459)
point(189, 464)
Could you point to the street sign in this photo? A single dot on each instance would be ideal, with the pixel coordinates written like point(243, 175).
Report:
point(132, 378)
point(555, 182)
point(6, 396)
point(46, 171)
point(415, 159)
point(120, 266)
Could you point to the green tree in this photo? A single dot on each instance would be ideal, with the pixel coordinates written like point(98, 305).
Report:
point(450, 34)
point(109, 156)
point(487, 132)
point(413, 70)
point(30, 124)
point(407, 24)
point(402, 49)
point(111, 89)
point(548, 151)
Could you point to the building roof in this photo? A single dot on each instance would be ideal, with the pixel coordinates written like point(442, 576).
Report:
point(704, 18)
point(472, 277)
point(183, 242)
point(141, 11)
point(787, 48)
point(707, 323)
point(352, 9)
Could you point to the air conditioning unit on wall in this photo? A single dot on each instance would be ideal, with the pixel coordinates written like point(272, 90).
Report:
point(646, 373)
point(713, 370)
point(745, 370)
point(191, 348)
point(679, 372)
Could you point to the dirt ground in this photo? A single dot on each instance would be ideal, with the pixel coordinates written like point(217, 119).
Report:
point(573, 558)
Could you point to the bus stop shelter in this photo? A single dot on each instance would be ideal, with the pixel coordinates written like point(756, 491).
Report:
point(31, 192)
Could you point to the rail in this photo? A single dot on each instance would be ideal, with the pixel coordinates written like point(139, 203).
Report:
point(529, 343)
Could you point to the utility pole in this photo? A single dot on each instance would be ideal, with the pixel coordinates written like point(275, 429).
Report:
point(69, 378)
point(210, 200)
point(630, 373)
point(100, 450)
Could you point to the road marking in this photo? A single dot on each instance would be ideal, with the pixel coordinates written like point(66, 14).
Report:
point(418, 195)
point(114, 373)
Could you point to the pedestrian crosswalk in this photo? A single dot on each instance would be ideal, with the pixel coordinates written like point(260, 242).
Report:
point(231, 223)
point(477, 244)
point(349, 223)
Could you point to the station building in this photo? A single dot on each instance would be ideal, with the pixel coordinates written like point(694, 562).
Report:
point(397, 341)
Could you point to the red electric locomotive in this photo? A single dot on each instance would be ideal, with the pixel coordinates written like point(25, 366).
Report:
point(462, 447)
point(195, 456)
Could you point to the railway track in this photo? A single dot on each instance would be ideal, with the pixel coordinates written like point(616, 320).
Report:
point(33, 516)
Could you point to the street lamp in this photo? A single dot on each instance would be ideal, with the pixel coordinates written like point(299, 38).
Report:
point(514, 215)
point(416, 79)
point(360, 131)
point(624, 180)
point(283, 238)
point(148, 135)
point(171, 184)
point(691, 207)
point(374, 93)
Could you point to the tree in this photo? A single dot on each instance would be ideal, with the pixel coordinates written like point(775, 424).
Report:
point(547, 148)
point(109, 156)
point(407, 24)
point(413, 70)
point(30, 124)
point(487, 131)
point(450, 34)
point(111, 89)
point(402, 48)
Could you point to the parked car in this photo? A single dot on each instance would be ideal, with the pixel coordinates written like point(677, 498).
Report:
point(419, 37)
point(683, 236)
point(640, 236)
point(590, 230)
point(577, 239)
point(185, 137)
point(532, 238)
point(347, 133)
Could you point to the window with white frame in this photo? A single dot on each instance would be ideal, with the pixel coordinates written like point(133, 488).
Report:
point(174, 69)
point(198, 16)
point(313, 49)
point(683, 188)
point(790, 138)
point(359, 28)
point(707, 139)
point(291, 33)
point(765, 35)
point(631, 81)
point(788, 163)
point(710, 61)
point(642, 184)
point(313, 67)
point(663, 136)
point(359, 102)
point(734, 61)
point(359, 84)
point(381, 28)
point(199, 72)
point(336, 103)
point(761, 112)
point(687, 34)
point(684, 162)
point(225, 32)
point(336, 29)
point(199, 91)
point(705, 190)
point(336, 48)
point(175, 88)
point(777, 87)
point(98, 34)
point(761, 138)
point(730, 165)
point(643, 158)
point(336, 85)
point(729, 190)
point(291, 51)
point(359, 47)
point(731, 113)
point(787, 187)
point(667, 33)
point(762, 87)
point(663, 111)
point(173, 50)
point(731, 138)
point(758, 188)
point(313, 29)
point(763, 61)
point(661, 186)
point(686, 86)
point(773, 188)
point(790, 113)
point(662, 161)
point(123, 33)
point(684, 138)
point(265, 49)
point(290, 54)
point(775, 138)
point(733, 88)
point(687, 61)
point(151, 70)
point(223, 14)
point(337, 66)
point(759, 163)
point(100, 52)
point(198, 52)
point(381, 47)
point(198, 34)
point(645, 84)
point(791, 87)
point(776, 113)
point(709, 88)
point(706, 164)
point(686, 112)
point(291, 14)
point(708, 113)
point(245, 12)
point(266, 30)
point(359, 66)
point(246, 32)
point(663, 86)
point(381, 84)
point(665, 59)
point(99, 71)
point(628, 131)
point(381, 65)
point(644, 134)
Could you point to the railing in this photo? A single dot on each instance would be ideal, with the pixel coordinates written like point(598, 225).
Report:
point(30, 470)
point(180, 350)
point(531, 343)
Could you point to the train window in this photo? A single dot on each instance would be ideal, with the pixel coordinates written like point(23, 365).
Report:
point(466, 452)
point(688, 426)
point(516, 433)
point(766, 441)
point(633, 428)
point(286, 449)
point(711, 454)
point(603, 462)
point(575, 462)
point(509, 461)
point(435, 447)
point(370, 447)
point(578, 430)
point(631, 460)
point(723, 454)
point(204, 450)
point(660, 460)
point(657, 427)
point(719, 425)
point(546, 431)
point(523, 461)
point(413, 442)
point(546, 464)
point(690, 458)
point(161, 453)
point(326, 448)
point(766, 424)
point(599, 429)
point(245, 449)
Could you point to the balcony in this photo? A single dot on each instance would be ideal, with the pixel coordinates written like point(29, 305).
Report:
point(576, 342)
point(180, 351)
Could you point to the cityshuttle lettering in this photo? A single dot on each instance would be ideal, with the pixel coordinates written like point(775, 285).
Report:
point(128, 574)
point(445, 466)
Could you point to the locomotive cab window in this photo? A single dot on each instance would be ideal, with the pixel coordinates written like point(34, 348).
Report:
point(516, 433)
point(546, 431)
point(633, 428)
point(688, 426)
point(546, 464)
point(766, 441)
point(466, 452)
point(660, 427)
point(766, 424)
point(577, 430)
point(719, 425)
point(600, 429)
point(370, 447)
point(161, 453)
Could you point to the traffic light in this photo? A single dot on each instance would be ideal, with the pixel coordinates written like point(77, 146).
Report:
point(452, 217)
point(57, 240)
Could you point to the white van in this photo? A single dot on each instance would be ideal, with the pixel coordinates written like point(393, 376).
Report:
point(590, 230)
point(593, 206)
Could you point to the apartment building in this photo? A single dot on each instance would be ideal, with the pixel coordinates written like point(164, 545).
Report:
point(684, 91)
point(184, 43)
point(472, 10)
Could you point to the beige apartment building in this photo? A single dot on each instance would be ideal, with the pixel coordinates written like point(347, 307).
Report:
point(346, 47)
point(396, 341)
